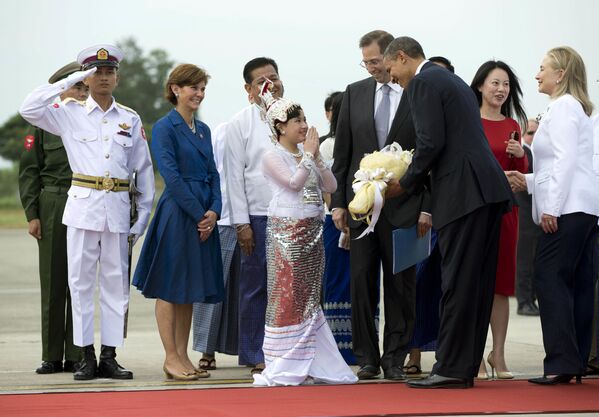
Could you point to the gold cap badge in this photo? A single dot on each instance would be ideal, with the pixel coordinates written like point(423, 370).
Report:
point(102, 54)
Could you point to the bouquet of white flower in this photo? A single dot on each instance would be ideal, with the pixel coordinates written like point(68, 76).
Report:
point(370, 182)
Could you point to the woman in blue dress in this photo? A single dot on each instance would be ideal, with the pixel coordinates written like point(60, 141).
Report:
point(180, 262)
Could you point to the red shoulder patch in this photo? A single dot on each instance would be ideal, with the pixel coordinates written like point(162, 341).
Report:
point(143, 133)
point(29, 141)
point(56, 105)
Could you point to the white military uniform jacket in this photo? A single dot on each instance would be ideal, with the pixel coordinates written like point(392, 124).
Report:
point(100, 144)
point(247, 140)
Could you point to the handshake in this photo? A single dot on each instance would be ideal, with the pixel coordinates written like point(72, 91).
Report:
point(517, 181)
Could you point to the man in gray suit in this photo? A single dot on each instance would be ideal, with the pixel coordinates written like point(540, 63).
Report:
point(528, 234)
point(373, 114)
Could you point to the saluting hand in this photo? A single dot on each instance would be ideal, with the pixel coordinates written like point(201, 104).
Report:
point(75, 77)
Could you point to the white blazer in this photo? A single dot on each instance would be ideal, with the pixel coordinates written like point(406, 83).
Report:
point(596, 153)
point(564, 181)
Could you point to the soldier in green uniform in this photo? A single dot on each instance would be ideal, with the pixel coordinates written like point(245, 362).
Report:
point(44, 179)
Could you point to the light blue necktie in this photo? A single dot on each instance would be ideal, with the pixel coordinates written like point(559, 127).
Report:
point(381, 118)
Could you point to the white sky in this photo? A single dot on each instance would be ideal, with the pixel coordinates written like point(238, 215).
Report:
point(314, 42)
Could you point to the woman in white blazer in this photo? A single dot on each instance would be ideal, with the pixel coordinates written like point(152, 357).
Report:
point(566, 205)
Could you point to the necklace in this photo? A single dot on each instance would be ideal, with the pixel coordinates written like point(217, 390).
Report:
point(298, 154)
point(192, 125)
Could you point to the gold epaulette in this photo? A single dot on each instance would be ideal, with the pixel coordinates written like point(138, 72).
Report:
point(130, 110)
point(72, 100)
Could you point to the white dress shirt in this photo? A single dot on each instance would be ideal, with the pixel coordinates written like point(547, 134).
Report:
point(218, 148)
point(563, 181)
point(596, 147)
point(395, 93)
point(98, 143)
point(247, 140)
point(420, 67)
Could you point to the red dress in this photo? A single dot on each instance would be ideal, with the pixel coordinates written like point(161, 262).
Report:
point(498, 132)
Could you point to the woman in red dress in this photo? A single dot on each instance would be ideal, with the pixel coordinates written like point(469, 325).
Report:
point(498, 93)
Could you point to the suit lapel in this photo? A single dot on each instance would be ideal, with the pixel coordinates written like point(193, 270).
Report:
point(400, 115)
point(186, 132)
point(368, 107)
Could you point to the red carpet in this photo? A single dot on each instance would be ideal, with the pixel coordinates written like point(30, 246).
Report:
point(495, 397)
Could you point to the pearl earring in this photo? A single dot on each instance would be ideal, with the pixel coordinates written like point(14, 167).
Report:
point(282, 132)
point(557, 81)
point(176, 94)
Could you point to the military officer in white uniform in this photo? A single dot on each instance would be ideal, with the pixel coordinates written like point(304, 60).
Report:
point(105, 143)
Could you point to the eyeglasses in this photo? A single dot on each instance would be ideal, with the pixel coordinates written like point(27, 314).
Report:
point(373, 62)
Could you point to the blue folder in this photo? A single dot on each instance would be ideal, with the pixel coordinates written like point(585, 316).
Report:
point(408, 249)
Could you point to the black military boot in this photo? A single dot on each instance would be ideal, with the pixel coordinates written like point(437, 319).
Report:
point(109, 367)
point(88, 366)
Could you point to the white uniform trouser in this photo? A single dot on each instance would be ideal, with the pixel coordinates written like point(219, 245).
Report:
point(86, 249)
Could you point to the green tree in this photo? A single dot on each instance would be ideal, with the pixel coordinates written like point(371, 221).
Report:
point(141, 87)
point(142, 79)
point(12, 137)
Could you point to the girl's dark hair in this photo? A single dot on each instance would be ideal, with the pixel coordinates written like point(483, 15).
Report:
point(293, 111)
point(328, 106)
point(335, 107)
point(512, 106)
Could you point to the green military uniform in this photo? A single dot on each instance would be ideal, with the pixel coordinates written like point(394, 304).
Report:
point(44, 179)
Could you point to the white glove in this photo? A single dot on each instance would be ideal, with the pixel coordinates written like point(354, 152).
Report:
point(75, 77)
point(137, 230)
point(133, 239)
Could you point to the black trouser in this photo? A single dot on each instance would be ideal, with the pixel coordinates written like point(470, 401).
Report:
point(469, 247)
point(564, 283)
point(528, 238)
point(366, 255)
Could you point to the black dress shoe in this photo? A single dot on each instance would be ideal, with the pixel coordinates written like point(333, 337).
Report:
point(438, 381)
point(49, 367)
point(88, 367)
point(109, 367)
point(368, 372)
point(395, 373)
point(528, 309)
point(554, 380)
point(70, 366)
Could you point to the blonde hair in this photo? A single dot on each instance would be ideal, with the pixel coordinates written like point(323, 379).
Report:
point(574, 81)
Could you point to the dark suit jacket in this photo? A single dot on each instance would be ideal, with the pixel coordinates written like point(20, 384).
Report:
point(356, 136)
point(524, 200)
point(451, 144)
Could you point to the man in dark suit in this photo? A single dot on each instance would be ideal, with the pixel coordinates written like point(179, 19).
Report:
point(528, 235)
point(374, 114)
point(469, 193)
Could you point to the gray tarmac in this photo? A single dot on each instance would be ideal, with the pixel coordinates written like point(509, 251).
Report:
point(20, 341)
